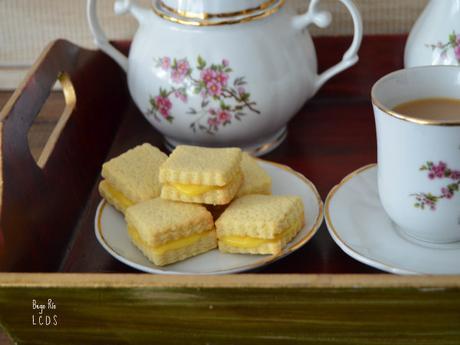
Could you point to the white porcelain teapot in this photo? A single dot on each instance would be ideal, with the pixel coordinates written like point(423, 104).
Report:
point(435, 37)
point(221, 72)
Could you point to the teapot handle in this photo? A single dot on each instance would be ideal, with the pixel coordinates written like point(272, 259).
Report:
point(322, 19)
point(120, 7)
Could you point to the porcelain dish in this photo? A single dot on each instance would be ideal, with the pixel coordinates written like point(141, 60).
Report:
point(110, 229)
point(359, 225)
point(418, 157)
point(223, 73)
point(435, 36)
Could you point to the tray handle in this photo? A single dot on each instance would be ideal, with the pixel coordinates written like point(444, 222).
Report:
point(40, 204)
point(70, 99)
point(30, 96)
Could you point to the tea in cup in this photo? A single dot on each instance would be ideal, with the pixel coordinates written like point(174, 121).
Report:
point(417, 116)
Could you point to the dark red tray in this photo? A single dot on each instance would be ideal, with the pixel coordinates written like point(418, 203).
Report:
point(46, 225)
point(47, 214)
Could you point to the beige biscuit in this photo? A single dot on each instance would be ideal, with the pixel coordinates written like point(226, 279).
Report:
point(202, 244)
point(201, 166)
point(160, 221)
point(135, 172)
point(219, 196)
point(114, 197)
point(256, 180)
point(260, 216)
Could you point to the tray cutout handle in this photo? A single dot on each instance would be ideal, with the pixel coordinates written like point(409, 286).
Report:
point(70, 100)
point(41, 207)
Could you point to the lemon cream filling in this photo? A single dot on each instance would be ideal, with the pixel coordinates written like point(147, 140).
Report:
point(197, 189)
point(251, 242)
point(171, 245)
point(117, 196)
point(194, 189)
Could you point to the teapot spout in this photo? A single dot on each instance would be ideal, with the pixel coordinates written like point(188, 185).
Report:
point(125, 6)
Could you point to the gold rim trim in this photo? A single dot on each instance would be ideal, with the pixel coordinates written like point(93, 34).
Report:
point(253, 280)
point(319, 218)
point(330, 225)
point(205, 15)
point(188, 18)
point(70, 98)
point(408, 118)
point(265, 260)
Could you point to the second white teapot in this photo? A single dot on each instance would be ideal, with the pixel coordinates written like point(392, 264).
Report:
point(435, 37)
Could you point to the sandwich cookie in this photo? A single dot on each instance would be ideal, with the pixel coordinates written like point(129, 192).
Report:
point(255, 179)
point(132, 177)
point(168, 231)
point(259, 224)
point(201, 175)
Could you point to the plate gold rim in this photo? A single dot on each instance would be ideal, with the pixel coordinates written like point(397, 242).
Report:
point(263, 261)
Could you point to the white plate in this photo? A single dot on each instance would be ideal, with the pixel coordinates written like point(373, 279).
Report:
point(111, 232)
point(360, 226)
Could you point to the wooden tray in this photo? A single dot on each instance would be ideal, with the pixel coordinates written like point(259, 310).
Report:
point(47, 213)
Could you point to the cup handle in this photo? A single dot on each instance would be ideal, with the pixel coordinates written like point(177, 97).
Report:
point(100, 38)
point(322, 19)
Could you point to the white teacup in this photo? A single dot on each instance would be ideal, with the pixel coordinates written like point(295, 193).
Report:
point(419, 159)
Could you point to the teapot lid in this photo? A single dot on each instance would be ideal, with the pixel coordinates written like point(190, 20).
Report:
point(215, 12)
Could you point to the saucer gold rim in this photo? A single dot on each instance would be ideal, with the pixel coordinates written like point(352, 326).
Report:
point(342, 243)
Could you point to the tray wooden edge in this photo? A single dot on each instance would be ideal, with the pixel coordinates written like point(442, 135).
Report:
point(237, 309)
point(122, 280)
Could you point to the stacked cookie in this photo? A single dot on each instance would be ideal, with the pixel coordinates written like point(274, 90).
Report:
point(198, 199)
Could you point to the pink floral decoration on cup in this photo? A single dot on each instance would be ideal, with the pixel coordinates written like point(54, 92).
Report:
point(438, 171)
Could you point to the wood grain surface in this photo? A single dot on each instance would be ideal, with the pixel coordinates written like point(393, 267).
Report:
point(232, 309)
point(235, 316)
point(44, 123)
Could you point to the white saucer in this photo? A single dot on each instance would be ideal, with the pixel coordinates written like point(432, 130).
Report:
point(359, 225)
point(111, 232)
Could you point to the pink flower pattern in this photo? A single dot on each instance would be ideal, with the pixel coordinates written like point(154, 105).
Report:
point(208, 75)
point(438, 171)
point(165, 63)
point(164, 105)
point(161, 105)
point(224, 116)
point(213, 121)
point(452, 43)
point(181, 95)
point(221, 102)
point(457, 51)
